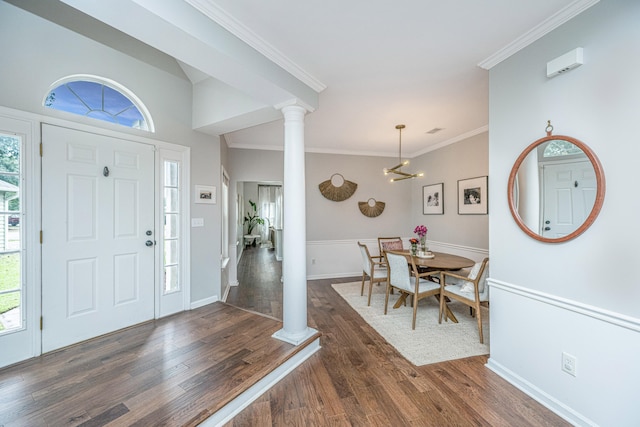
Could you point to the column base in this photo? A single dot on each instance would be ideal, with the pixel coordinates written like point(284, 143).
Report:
point(295, 339)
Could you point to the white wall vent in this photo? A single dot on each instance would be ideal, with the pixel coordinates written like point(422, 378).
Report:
point(564, 63)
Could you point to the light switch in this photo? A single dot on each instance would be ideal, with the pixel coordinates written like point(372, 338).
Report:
point(197, 222)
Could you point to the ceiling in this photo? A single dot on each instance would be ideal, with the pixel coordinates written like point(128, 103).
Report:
point(383, 63)
point(365, 66)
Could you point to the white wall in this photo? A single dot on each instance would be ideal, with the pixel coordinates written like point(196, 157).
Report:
point(36, 53)
point(579, 297)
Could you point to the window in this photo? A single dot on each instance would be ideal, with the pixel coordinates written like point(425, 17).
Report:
point(171, 213)
point(100, 99)
point(11, 292)
point(558, 148)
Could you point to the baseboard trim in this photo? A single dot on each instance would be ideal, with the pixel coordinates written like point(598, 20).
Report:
point(203, 302)
point(540, 396)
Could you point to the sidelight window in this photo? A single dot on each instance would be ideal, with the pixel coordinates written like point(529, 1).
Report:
point(171, 214)
point(11, 257)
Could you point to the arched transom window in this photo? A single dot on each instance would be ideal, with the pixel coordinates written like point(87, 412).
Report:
point(99, 98)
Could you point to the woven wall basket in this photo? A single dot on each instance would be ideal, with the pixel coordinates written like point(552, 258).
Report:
point(337, 188)
point(371, 210)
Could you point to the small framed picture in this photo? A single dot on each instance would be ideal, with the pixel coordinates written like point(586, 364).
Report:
point(473, 197)
point(433, 199)
point(205, 194)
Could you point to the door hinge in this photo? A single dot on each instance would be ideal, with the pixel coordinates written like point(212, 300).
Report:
point(41, 149)
point(40, 236)
point(41, 322)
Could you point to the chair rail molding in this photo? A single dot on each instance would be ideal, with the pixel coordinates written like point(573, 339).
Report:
point(341, 258)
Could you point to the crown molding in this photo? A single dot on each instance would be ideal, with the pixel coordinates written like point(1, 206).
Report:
point(235, 27)
point(548, 25)
point(450, 141)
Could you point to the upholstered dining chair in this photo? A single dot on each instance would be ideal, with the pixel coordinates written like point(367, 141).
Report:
point(404, 276)
point(375, 270)
point(470, 290)
point(389, 244)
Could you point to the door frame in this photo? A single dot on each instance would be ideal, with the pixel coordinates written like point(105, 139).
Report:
point(33, 210)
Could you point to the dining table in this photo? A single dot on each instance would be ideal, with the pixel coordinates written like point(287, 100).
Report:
point(434, 262)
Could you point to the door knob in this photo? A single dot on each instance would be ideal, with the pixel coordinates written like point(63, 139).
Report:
point(148, 243)
point(149, 233)
point(547, 228)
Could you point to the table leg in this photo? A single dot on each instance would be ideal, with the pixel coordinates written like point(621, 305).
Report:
point(448, 311)
point(401, 300)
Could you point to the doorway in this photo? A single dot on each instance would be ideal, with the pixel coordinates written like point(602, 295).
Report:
point(98, 235)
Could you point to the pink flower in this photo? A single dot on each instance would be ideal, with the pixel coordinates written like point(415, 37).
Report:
point(421, 230)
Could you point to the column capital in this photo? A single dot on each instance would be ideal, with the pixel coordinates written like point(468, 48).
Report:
point(294, 103)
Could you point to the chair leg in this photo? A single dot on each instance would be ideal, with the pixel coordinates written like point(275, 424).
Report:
point(479, 317)
point(441, 308)
point(386, 298)
point(370, 289)
point(415, 310)
point(362, 286)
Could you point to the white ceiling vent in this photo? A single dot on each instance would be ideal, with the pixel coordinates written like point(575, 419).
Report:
point(564, 63)
point(434, 130)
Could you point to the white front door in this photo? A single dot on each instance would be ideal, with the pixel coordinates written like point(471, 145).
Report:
point(97, 220)
point(569, 195)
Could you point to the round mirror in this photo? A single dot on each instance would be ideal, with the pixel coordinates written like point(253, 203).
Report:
point(556, 188)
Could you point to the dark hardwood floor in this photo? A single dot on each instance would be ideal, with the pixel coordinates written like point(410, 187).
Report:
point(174, 371)
point(178, 370)
point(358, 379)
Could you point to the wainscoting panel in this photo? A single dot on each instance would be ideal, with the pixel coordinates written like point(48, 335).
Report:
point(341, 258)
point(531, 330)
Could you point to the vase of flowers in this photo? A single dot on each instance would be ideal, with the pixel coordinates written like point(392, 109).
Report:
point(421, 231)
point(414, 245)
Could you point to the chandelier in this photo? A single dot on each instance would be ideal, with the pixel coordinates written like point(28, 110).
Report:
point(397, 169)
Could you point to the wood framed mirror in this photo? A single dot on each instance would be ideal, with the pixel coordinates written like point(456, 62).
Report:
point(556, 188)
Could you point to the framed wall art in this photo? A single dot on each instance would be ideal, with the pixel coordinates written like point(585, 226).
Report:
point(433, 199)
point(205, 194)
point(473, 197)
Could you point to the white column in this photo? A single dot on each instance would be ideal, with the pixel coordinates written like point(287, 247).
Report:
point(294, 256)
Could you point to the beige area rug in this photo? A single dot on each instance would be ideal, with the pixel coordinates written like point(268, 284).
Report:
point(430, 342)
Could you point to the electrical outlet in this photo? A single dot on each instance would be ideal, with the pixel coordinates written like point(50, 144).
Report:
point(569, 364)
point(313, 261)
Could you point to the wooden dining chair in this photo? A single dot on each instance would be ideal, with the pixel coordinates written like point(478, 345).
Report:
point(404, 276)
point(389, 244)
point(376, 271)
point(470, 290)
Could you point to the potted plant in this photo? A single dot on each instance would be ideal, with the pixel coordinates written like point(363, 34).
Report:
point(252, 219)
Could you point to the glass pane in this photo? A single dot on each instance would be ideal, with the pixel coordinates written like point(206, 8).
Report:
point(170, 226)
point(9, 158)
point(170, 174)
point(10, 303)
point(92, 99)
point(171, 283)
point(61, 98)
point(10, 315)
point(10, 235)
point(170, 252)
point(560, 147)
point(171, 200)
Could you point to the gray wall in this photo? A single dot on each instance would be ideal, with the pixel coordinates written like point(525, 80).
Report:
point(36, 53)
point(465, 159)
point(579, 297)
point(329, 220)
